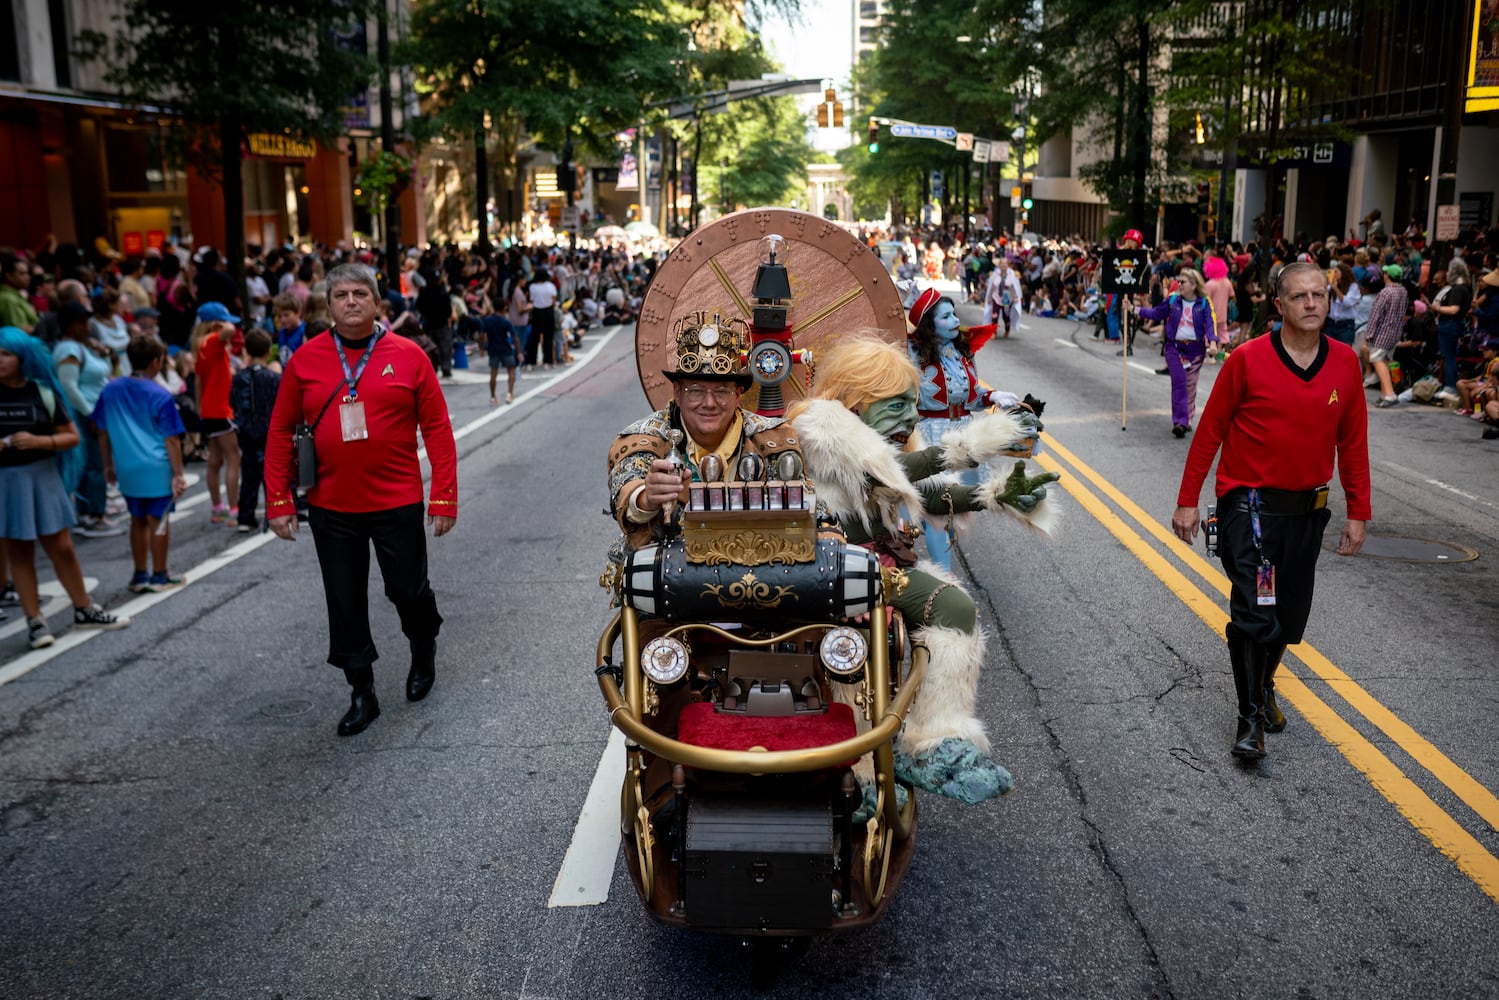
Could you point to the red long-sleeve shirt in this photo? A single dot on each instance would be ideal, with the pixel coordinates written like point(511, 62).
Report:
point(1280, 427)
point(400, 393)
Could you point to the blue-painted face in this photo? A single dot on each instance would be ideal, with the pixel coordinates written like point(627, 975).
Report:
point(945, 322)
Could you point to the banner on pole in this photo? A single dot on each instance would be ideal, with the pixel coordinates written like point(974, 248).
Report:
point(1125, 271)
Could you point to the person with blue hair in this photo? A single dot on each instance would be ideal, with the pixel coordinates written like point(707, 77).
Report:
point(40, 463)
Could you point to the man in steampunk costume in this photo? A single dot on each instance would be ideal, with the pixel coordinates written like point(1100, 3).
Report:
point(862, 413)
point(653, 459)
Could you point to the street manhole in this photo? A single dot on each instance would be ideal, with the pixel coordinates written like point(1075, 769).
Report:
point(1418, 550)
point(286, 709)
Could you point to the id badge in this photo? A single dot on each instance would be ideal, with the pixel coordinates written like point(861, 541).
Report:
point(1264, 584)
point(351, 419)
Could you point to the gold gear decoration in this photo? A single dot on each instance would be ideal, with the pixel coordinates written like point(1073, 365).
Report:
point(687, 363)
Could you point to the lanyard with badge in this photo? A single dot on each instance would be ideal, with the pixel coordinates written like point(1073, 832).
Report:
point(1264, 577)
point(351, 410)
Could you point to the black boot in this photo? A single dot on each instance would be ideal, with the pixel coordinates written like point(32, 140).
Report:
point(1249, 738)
point(423, 669)
point(364, 708)
point(1275, 719)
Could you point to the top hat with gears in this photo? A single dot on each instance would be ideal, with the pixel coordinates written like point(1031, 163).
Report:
point(711, 350)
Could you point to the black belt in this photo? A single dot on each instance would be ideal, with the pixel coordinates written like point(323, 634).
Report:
point(1282, 502)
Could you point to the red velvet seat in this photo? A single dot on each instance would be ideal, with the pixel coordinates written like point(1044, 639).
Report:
point(700, 726)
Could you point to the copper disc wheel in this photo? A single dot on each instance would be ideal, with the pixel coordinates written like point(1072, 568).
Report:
point(838, 286)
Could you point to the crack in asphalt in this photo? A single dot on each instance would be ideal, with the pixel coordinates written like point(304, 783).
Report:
point(1096, 840)
point(85, 782)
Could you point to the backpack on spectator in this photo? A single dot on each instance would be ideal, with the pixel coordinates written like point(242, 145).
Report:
point(1426, 388)
point(253, 396)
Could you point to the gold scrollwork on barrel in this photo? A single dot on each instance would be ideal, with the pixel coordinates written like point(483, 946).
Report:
point(749, 548)
point(749, 592)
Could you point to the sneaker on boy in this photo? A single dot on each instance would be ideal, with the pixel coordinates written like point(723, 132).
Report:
point(38, 634)
point(99, 527)
point(138, 582)
point(163, 581)
point(94, 616)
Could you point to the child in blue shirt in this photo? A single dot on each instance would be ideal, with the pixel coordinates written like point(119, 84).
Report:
point(291, 332)
point(140, 435)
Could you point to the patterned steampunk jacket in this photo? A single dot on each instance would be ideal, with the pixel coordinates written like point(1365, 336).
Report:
point(644, 441)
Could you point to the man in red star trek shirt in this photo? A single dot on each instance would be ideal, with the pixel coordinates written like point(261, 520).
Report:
point(1284, 406)
point(366, 392)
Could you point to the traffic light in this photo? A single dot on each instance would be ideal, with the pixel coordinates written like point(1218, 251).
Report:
point(1204, 199)
point(874, 136)
point(1025, 197)
point(830, 111)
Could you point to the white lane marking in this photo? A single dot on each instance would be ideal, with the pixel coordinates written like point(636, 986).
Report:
point(28, 662)
point(1142, 368)
point(54, 599)
point(588, 867)
point(1064, 343)
point(1465, 495)
point(1406, 474)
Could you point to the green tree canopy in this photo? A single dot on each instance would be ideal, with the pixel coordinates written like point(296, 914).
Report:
point(231, 69)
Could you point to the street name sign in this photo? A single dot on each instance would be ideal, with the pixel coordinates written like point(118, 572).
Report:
point(946, 132)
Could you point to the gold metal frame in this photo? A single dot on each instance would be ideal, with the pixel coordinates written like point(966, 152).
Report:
point(627, 710)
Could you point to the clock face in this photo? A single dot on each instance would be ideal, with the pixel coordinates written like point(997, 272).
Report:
point(664, 660)
point(837, 285)
point(708, 336)
point(844, 650)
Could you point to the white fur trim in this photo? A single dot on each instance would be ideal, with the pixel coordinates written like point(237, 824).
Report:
point(1045, 517)
point(846, 458)
point(945, 704)
point(982, 438)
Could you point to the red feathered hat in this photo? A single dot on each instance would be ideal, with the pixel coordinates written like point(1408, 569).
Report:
point(923, 302)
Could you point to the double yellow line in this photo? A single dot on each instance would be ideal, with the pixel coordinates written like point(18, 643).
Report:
point(1434, 823)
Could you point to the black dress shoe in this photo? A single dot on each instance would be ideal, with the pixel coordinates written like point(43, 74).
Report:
point(1249, 740)
point(423, 669)
point(364, 708)
point(1179, 430)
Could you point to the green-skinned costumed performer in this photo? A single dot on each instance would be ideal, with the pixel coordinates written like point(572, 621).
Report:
point(853, 432)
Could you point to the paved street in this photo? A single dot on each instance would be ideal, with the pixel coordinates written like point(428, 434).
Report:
point(178, 819)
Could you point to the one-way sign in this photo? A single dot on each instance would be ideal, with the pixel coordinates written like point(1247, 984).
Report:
point(924, 132)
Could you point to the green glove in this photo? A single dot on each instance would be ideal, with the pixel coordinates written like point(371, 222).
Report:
point(1023, 492)
point(1028, 420)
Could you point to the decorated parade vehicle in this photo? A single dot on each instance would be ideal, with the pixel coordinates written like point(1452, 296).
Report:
point(754, 660)
point(759, 662)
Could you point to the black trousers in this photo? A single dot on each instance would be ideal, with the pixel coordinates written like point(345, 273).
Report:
point(1292, 543)
point(251, 477)
point(443, 338)
point(543, 335)
point(343, 551)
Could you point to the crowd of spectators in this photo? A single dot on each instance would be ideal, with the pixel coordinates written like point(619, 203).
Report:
point(197, 357)
point(1421, 316)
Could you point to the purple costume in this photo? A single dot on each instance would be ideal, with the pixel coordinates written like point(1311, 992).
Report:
point(1184, 356)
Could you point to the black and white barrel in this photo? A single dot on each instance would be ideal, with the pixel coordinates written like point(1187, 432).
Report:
point(843, 581)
